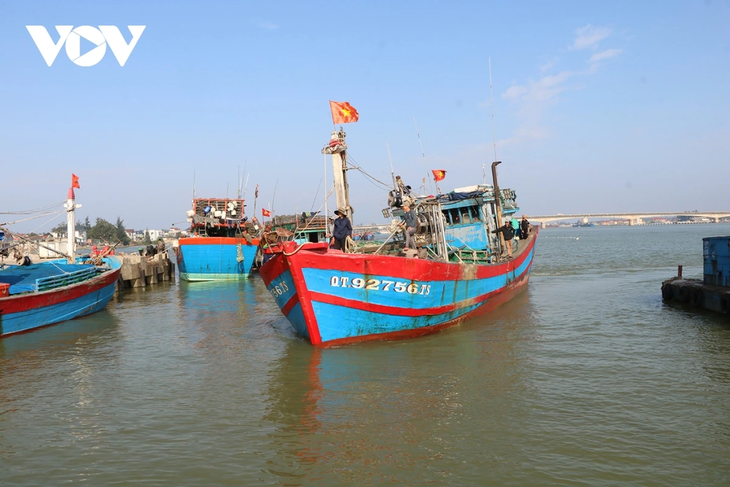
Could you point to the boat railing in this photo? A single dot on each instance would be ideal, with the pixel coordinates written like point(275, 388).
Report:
point(52, 282)
point(312, 223)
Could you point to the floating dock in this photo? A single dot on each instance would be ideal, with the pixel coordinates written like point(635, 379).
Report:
point(713, 291)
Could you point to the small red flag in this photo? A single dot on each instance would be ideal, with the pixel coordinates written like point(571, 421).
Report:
point(75, 181)
point(343, 112)
point(265, 212)
point(438, 174)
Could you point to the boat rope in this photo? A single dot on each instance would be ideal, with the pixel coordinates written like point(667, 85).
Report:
point(311, 220)
point(55, 213)
point(299, 247)
point(349, 245)
point(28, 212)
point(354, 164)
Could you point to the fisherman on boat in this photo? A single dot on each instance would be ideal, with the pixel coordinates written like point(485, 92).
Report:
point(524, 227)
point(509, 233)
point(410, 219)
point(343, 229)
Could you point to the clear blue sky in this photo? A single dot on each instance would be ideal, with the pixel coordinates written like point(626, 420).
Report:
point(599, 106)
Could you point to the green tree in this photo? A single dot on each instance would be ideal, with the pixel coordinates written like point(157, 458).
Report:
point(121, 232)
point(60, 229)
point(103, 230)
point(147, 240)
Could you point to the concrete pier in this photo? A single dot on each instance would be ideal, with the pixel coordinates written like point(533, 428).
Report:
point(141, 271)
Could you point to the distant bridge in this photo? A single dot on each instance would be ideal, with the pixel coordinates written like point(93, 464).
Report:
point(633, 218)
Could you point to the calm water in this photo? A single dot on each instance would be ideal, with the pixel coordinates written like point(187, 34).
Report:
point(585, 379)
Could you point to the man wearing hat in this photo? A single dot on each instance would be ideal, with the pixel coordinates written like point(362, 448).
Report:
point(343, 229)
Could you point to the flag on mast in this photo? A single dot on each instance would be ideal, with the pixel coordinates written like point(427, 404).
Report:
point(265, 212)
point(438, 174)
point(343, 112)
point(75, 181)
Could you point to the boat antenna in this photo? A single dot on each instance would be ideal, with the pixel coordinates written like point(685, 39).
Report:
point(491, 105)
point(316, 194)
point(423, 154)
point(392, 171)
point(240, 180)
point(273, 199)
point(245, 186)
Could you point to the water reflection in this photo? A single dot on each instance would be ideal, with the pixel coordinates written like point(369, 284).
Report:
point(392, 411)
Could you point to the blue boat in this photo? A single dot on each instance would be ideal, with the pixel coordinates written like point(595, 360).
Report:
point(224, 243)
point(37, 295)
point(459, 270)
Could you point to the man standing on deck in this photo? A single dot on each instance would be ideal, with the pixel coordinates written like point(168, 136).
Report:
point(410, 218)
point(524, 227)
point(509, 233)
point(343, 229)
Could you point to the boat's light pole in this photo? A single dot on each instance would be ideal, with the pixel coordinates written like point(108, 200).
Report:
point(498, 202)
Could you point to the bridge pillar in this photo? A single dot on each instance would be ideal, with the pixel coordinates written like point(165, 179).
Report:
point(542, 225)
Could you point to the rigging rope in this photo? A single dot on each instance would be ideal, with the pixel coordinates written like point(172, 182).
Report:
point(28, 212)
point(34, 217)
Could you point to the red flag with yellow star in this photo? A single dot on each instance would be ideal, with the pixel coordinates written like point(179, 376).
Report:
point(265, 212)
point(343, 112)
point(438, 174)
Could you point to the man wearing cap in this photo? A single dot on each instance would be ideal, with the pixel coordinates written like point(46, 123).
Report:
point(343, 229)
point(524, 227)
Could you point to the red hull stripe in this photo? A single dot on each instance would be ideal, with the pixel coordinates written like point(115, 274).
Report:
point(25, 302)
point(290, 304)
point(416, 269)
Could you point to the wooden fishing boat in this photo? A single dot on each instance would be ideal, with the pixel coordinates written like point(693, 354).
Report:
point(51, 292)
point(387, 292)
point(37, 295)
point(223, 242)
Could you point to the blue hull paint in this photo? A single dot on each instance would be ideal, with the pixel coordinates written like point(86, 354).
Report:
point(48, 315)
point(25, 311)
point(440, 293)
point(339, 322)
point(215, 262)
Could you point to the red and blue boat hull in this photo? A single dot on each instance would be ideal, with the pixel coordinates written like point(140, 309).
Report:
point(333, 298)
point(25, 312)
point(216, 258)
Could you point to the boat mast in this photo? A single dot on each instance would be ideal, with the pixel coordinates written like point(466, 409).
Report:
point(70, 225)
point(337, 147)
